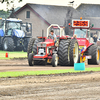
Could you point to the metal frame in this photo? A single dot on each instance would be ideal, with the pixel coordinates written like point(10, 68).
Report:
point(61, 29)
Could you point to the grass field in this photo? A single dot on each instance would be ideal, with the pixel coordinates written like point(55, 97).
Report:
point(25, 73)
point(17, 54)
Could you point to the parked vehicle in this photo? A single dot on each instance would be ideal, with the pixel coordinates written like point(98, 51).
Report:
point(88, 49)
point(14, 34)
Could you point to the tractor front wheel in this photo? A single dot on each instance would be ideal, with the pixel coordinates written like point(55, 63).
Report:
point(74, 52)
point(95, 55)
point(30, 59)
point(55, 60)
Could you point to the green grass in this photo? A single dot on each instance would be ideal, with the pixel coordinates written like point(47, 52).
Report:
point(19, 54)
point(24, 73)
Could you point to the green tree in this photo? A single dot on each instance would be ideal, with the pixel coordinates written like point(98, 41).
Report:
point(9, 1)
point(3, 14)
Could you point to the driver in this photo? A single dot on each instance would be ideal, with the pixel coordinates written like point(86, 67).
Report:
point(52, 36)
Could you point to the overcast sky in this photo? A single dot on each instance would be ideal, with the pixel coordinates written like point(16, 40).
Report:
point(51, 2)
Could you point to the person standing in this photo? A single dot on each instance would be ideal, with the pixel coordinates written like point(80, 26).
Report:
point(95, 38)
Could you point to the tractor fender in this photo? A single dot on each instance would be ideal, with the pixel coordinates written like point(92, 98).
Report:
point(18, 33)
point(1, 33)
point(90, 44)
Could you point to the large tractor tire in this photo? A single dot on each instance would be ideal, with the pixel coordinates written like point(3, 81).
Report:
point(30, 46)
point(0, 44)
point(8, 44)
point(95, 54)
point(74, 51)
point(63, 52)
point(35, 46)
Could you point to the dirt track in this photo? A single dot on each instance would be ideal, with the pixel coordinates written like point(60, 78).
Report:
point(22, 65)
point(81, 86)
point(60, 87)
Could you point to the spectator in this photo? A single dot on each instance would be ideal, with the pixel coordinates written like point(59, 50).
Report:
point(95, 38)
point(74, 36)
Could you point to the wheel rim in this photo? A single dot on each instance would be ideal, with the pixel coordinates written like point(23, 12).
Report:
point(68, 53)
point(5, 45)
point(56, 60)
point(75, 52)
point(97, 55)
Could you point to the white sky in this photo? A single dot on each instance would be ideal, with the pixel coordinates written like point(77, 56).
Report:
point(51, 2)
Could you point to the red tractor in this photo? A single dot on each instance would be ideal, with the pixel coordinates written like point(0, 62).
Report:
point(88, 50)
point(43, 50)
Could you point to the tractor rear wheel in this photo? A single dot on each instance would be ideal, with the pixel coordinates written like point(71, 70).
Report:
point(8, 44)
point(95, 54)
point(63, 52)
point(35, 46)
point(0, 44)
point(30, 59)
point(73, 52)
point(55, 60)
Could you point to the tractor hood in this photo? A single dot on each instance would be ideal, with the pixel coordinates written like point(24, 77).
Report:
point(83, 42)
point(47, 43)
point(18, 33)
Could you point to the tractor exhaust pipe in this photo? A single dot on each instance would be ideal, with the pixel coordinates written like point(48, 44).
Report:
point(42, 35)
